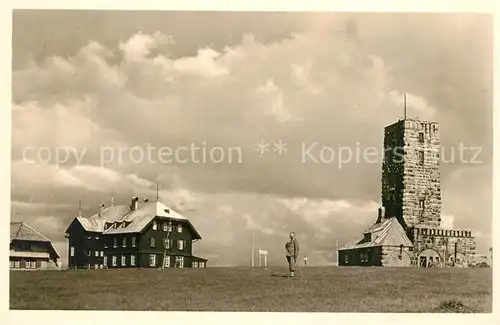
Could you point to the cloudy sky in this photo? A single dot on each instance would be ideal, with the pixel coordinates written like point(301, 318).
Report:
point(101, 83)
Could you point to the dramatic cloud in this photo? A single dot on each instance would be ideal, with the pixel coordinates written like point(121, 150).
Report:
point(185, 106)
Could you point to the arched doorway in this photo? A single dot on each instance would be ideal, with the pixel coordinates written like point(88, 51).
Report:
point(429, 258)
point(459, 261)
point(399, 260)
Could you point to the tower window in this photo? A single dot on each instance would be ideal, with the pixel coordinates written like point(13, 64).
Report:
point(421, 158)
point(421, 137)
point(421, 204)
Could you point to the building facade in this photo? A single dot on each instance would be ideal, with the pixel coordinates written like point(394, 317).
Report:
point(30, 250)
point(146, 234)
point(411, 194)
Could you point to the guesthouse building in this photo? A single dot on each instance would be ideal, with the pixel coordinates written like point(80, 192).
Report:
point(140, 235)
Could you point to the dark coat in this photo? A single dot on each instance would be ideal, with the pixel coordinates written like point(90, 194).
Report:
point(292, 247)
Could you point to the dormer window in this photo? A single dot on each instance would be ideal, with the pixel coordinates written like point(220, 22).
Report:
point(179, 228)
point(367, 236)
point(115, 242)
point(155, 225)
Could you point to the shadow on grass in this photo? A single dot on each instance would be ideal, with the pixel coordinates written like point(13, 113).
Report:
point(454, 306)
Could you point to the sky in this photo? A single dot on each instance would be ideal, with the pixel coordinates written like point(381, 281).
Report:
point(281, 109)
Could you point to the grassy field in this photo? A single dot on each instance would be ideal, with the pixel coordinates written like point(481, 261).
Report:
point(315, 289)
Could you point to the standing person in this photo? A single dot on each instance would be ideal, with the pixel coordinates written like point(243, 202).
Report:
point(305, 260)
point(292, 251)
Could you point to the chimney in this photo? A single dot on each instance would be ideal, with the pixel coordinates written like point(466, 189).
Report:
point(135, 203)
point(101, 209)
point(381, 214)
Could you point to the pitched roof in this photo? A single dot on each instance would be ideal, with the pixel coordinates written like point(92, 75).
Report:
point(136, 219)
point(23, 231)
point(386, 233)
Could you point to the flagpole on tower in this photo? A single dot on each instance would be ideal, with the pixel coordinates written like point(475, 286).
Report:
point(404, 107)
point(157, 192)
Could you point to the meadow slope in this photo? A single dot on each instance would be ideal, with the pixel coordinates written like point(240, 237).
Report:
point(315, 289)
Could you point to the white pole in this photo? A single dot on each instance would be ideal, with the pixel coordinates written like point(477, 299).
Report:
point(265, 260)
point(253, 249)
point(260, 259)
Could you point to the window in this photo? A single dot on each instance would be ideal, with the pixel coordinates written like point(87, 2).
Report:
point(167, 243)
point(27, 264)
point(105, 243)
point(179, 228)
point(97, 237)
point(152, 259)
point(124, 242)
point(11, 264)
point(102, 253)
point(133, 241)
point(201, 264)
point(89, 253)
point(180, 244)
point(97, 253)
point(89, 237)
point(195, 264)
point(346, 259)
point(155, 225)
point(421, 158)
point(100, 266)
point(113, 261)
point(124, 260)
point(105, 260)
point(17, 264)
point(179, 261)
point(132, 260)
point(421, 137)
point(72, 251)
point(96, 266)
point(166, 262)
point(421, 204)
point(152, 242)
point(115, 242)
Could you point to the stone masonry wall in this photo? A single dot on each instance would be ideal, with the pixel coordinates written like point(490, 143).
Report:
point(443, 243)
point(421, 182)
point(393, 171)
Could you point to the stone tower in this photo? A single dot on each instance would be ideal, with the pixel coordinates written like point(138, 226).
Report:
point(411, 189)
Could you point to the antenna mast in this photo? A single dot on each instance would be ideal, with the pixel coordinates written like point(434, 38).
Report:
point(157, 192)
point(79, 208)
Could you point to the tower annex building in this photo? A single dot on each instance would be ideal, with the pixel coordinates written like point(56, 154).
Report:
point(408, 229)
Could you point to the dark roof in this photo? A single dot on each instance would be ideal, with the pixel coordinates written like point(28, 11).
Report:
point(389, 232)
point(136, 220)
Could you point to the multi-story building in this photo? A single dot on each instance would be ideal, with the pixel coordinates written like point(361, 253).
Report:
point(142, 234)
point(411, 195)
point(30, 250)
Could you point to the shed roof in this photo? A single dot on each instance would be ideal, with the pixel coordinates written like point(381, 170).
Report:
point(386, 233)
